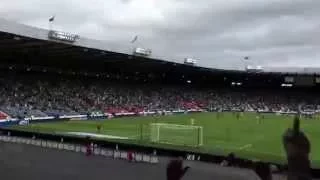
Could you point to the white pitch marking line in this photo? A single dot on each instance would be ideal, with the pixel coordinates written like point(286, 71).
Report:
point(245, 146)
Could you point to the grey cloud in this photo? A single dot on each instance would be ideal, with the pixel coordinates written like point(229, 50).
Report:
point(218, 33)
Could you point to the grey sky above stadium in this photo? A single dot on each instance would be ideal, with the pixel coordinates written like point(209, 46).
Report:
point(219, 33)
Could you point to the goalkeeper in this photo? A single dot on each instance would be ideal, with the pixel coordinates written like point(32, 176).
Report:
point(238, 115)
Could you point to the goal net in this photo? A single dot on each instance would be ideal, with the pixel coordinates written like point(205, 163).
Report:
point(175, 134)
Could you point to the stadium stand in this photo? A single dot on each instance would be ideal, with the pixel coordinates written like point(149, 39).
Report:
point(3, 115)
point(28, 95)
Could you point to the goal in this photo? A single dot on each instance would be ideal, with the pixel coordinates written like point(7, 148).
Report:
point(186, 135)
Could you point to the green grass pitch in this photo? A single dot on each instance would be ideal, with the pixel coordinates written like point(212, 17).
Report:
point(221, 134)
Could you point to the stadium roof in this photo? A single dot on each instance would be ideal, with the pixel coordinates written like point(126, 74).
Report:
point(28, 37)
point(26, 45)
point(30, 42)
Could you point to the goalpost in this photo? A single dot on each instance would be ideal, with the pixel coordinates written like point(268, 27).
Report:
point(187, 135)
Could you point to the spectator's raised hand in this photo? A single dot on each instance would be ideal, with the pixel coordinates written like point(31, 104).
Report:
point(297, 148)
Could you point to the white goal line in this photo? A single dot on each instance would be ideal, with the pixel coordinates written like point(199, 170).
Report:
point(175, 125)
point(181, 128)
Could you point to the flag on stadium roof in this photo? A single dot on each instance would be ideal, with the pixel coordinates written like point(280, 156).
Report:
point(134, 39)
point(51, 19)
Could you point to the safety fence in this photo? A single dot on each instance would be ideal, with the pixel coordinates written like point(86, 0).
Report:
point(98, 151)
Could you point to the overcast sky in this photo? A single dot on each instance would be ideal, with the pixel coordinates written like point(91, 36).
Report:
point(219, 33)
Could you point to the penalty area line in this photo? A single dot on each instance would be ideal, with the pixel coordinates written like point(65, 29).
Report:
point(245, 146)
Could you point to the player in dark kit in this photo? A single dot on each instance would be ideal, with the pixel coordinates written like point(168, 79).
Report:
point(99, 127)
point(219, 114)
point(238, 115)
point(297, 148)
point(175, 171)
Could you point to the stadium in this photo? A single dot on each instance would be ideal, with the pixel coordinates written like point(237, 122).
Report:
point(59, 85)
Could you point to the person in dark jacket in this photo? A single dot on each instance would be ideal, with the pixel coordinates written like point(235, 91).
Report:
point(175, 169)
point(263, 170)
point(130, 155)
point(297, 148)
point(88, 146)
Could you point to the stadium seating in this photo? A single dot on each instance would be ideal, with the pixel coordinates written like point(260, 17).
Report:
point(3, 115)
point(62, 96)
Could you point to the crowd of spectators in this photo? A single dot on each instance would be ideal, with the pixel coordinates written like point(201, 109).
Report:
point(42, 95)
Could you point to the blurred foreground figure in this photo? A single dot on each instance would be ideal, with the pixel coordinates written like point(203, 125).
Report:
point(175, 171)
point(88, 146)
point(130, 157)
point(297, 148)
point(263, 170)
point(229, 161)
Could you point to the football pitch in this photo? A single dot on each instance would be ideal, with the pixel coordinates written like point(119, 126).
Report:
point(247, 136)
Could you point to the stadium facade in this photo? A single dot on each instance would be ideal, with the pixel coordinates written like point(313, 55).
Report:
point(28, 32)
point(30, 46)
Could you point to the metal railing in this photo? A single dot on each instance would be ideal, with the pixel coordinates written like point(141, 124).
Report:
point(78, 148)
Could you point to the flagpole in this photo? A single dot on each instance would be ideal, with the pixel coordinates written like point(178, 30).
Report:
point(134, 39)
point(51, 22)
point(133, 42)
point(245, 61)
point(50, 25)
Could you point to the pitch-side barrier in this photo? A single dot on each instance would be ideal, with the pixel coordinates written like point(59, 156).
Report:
point(98, 151)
